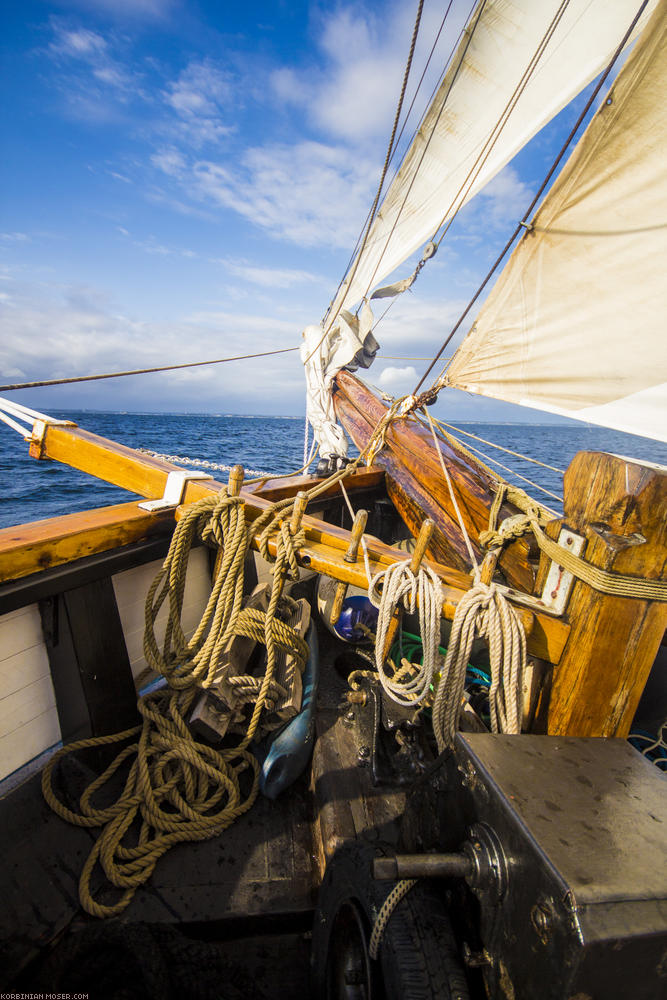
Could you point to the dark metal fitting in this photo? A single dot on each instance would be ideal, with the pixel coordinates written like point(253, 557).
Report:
point(475, 959)
point(542, 918)
point(487, 860)
point(422, 866)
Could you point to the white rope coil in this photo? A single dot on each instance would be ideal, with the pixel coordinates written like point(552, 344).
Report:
point(400, 585)
point(482, 611)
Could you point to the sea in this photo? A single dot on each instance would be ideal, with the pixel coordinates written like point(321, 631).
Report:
point(32, 490)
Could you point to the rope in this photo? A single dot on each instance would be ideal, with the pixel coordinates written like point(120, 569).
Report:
point(452, 495)
point(178, 789)
point(521, 225)
point(602, 580)
point(615, 584)
point(399, 892)
point(401, 586)
point(482, 611)
point(492, 444)
point(142, 371)
point(390, 150)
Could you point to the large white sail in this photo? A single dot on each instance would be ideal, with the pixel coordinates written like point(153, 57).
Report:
point(518, 64)
point(577, 322)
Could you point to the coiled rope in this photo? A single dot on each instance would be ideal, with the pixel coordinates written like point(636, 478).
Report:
point(177, 788)
point(399, 585)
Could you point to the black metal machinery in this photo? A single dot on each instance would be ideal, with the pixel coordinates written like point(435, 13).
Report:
point(562, 843)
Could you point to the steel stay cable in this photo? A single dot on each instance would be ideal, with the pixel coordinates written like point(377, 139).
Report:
point(142, 371)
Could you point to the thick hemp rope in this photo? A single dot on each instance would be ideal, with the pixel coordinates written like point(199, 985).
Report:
point(401, 585)
point(482, 611)
point(177, 788)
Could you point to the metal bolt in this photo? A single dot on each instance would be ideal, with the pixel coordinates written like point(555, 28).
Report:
point(541, 917)
point(364, 751)
point(349, 716)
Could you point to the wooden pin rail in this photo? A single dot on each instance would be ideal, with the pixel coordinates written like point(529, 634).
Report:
point(326, 544)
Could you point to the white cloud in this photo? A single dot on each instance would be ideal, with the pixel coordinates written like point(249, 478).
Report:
point(62, 331)
point(308, 193)
point(14, 238)
point(505, 198)
point(79, 44)
point(392, 378)
point(270, 277)
point(170, 162)
point(130, 9)
point(198, 98)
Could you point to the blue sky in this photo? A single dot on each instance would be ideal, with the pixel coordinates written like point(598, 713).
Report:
point(185, 180)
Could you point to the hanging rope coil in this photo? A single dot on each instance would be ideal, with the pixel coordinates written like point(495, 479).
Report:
point(482, 611)
point(401, 586)
point(177, 788)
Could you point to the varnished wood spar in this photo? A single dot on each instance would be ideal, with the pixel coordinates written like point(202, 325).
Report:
point(325, 543)
point(621, 508)
point(29, 548)
point(411, 460)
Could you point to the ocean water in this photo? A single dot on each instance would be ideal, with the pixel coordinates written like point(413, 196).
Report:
point(31, 490)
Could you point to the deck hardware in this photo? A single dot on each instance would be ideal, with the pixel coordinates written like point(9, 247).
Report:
point(173, 490)
point(558, 584)
point(455, 865)
point(235, 481)
point(542, 919)
point(300, 504)
point(481, 862)
point(423, 539)
point(475, 959)
point(356, 534)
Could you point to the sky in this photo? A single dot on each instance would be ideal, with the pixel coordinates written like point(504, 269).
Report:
point(184, 180)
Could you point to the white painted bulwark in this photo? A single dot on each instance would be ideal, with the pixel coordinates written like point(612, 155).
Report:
point(131, 588)
point(28, 717)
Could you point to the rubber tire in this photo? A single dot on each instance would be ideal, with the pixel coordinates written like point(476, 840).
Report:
point(418, 955)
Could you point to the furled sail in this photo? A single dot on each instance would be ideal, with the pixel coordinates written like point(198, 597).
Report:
point(576, 322)
point(518, 64)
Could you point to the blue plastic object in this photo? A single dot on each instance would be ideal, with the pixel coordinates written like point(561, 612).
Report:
point(356, 611)
point(290, 748)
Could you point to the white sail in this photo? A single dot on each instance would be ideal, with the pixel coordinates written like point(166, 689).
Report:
point(577, 322)
point(518, 64)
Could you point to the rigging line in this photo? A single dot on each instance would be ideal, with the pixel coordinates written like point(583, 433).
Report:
point(438, 82)
point(512, 472)
point(401, 357)
point(388, 239)
point(458, 199)
point(390, 148)
point(141, 371)
point(485, 152)
point(539, 193)
point(517, 454)
point(427, 144)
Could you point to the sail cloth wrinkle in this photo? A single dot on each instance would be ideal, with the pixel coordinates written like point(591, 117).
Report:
point(576, 322)
point(350, 345)
point(476, 123)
